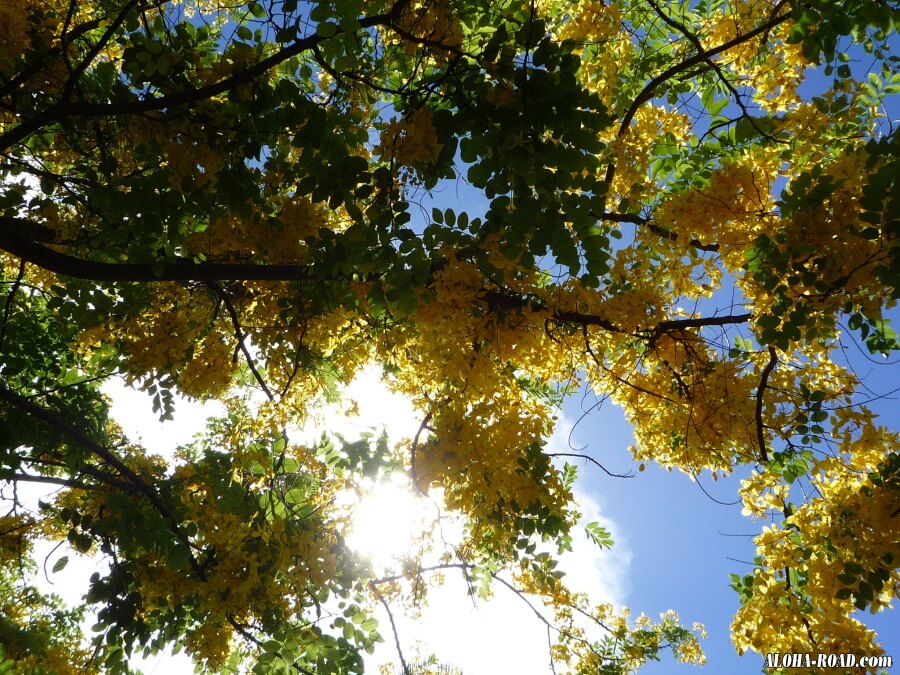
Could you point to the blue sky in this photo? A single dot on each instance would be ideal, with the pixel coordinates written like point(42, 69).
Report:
point(681, 541)
point(683, 544)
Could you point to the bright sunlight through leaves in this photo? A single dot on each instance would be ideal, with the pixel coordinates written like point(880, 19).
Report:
point(390, 522)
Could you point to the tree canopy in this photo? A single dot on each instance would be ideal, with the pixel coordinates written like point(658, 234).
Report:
point(682, 206)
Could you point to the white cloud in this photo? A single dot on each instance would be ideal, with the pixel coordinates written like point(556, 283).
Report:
point(602, 574)
point(366, 405)
point(133, 410)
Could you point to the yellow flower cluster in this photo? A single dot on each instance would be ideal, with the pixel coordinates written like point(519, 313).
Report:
point(461, 368)
point(631, 152)
point(775, 68)
point(195, 161)
point(593, 22)
point(833, 251)
point(731, 210)
point(187, 331)
point(696, 417)
point(411, 141)
point(590, 21)
point(173, 337)
point(737, 18)
point(851, 521)
point(18, 32)
point(500, 95)
point(432, 21)
point(264, 565)
point(584, 628)
point(775, 620)
point(278, 240)
point(15, 539)
point(14, 29)
point(764, 494)
point(211, 643)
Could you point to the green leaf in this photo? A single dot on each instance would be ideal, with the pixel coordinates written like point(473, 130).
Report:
point(327, 29)
point(599, 535)
point(60, 564)
point(256, 9)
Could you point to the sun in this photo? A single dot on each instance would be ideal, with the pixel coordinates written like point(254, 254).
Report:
point(391, 522)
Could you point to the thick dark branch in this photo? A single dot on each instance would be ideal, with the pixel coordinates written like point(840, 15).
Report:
point(760, 392)
point(104, 479)
point(671, 236)
point(47, 480)
point(649, 90)
point(624, 218)
point(653, 227)
point(512, 301)
point(497, 299)
point(701, 322)
point(53, 419)
point(10, 298)
point(186, 270)
point(173, 270)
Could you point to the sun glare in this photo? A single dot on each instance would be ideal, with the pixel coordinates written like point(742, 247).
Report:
point(389, 522)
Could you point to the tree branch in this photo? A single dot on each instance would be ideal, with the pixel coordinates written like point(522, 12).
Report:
point(240, 336)
point(414, 451)
point(592, 461)
point(52, 419)
point(88, 470)
point(387, 608)
point(179, 269)
point(763, 383)
point(700, 322)
point(10, 298)
point(509, 300)
point(694, 40)
point(47, 480)
point(649, 90)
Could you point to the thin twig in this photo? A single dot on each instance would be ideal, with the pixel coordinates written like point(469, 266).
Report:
point(592, 461)
point(240, 336)
point(694, 40)
point(414, 451)
point(649, 90)
point(387, 608)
